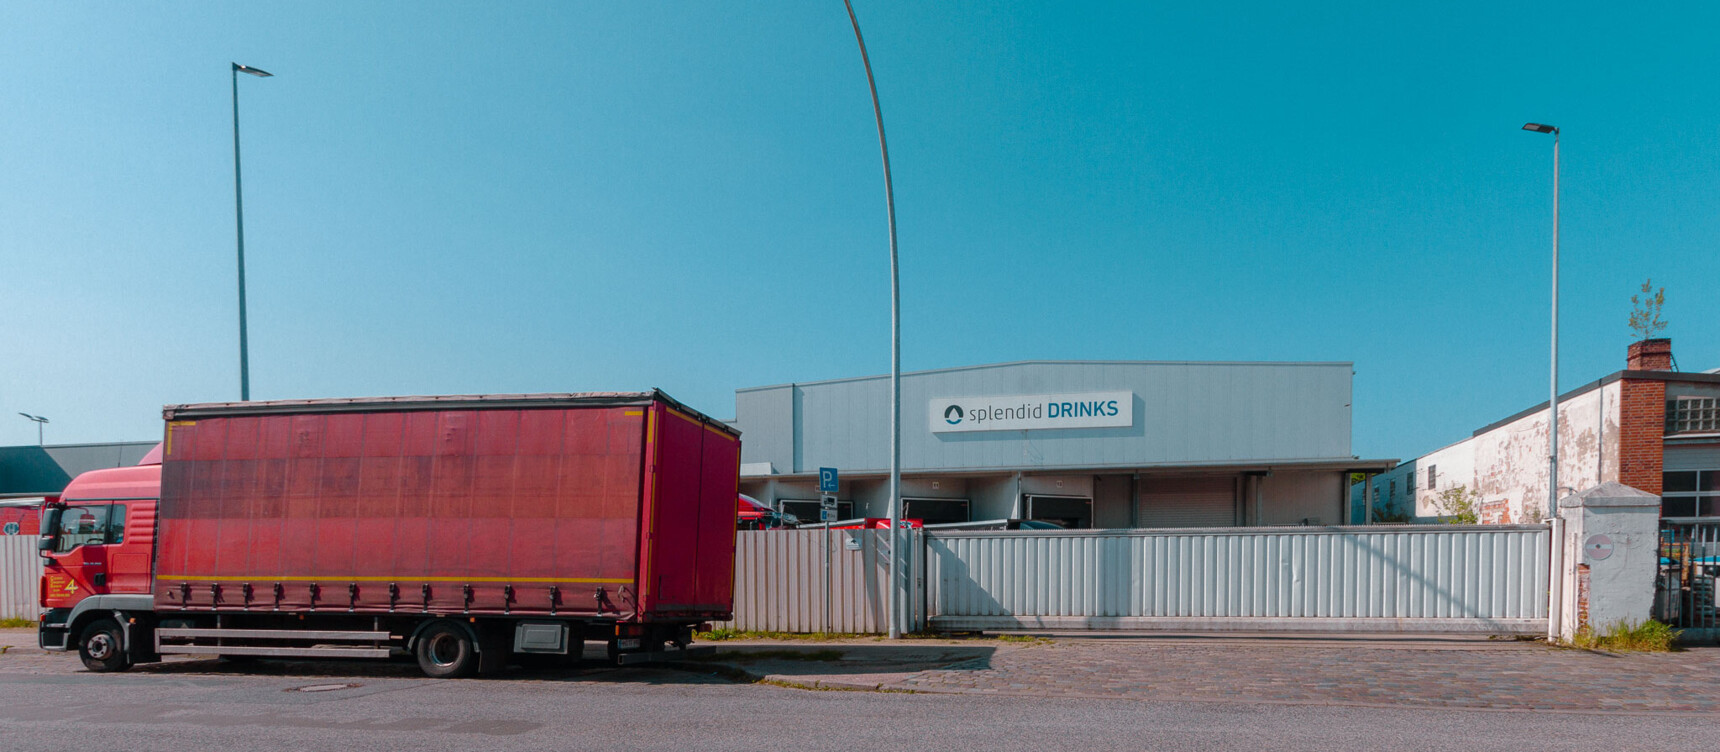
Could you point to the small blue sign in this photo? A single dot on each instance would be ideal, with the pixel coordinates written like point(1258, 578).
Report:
point(11, 528)
point(827, 480)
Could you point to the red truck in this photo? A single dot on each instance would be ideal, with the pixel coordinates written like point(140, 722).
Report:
point(466, 531)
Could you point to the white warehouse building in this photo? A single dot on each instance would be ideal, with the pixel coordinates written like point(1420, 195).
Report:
point(1085, 444)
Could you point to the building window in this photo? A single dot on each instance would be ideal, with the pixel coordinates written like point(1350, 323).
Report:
point(1690, 493)
point(1432, 476)
point(1392, 494)
point(1409, 482)
point(1693, 415)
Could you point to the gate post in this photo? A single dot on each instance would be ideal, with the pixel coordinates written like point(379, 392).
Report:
point(1611, 552)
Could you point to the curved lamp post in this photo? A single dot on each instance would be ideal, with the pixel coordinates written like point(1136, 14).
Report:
point(896, 600)
point(1555, 576)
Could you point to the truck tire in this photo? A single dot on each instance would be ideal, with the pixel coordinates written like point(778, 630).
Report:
point(445, 651)
point(102, 647)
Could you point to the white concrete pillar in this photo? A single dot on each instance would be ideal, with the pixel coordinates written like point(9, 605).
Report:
point(1611, 553)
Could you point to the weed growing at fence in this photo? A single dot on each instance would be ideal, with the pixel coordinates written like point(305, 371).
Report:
point(1646, 637)
point(17, 624)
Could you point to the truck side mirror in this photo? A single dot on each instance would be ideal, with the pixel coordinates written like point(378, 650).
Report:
point(50, 530)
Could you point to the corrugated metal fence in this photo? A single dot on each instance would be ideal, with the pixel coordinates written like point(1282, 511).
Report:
point(20, 573)
point(1468, 578)
point(1444, 578)
point(779, 579)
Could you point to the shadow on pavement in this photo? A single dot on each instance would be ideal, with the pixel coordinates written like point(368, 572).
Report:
point(728, 663)
point(855, 660)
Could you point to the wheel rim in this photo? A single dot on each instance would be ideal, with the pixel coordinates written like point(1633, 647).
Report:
point(100, 646)
point(444, 650)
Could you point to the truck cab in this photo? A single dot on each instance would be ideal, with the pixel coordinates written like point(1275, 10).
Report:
point(97, 543)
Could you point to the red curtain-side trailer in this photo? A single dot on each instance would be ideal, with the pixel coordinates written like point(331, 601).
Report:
point(463, 529)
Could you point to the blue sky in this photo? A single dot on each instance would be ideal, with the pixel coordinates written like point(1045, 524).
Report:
point(448, 198)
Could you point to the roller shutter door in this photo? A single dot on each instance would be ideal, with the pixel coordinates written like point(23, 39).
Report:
point(1208, 501)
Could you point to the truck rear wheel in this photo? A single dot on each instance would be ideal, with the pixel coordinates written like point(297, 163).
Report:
point(102, 647)
point(445, 651)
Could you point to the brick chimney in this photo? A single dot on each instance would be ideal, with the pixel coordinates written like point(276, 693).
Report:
point(1650, 355)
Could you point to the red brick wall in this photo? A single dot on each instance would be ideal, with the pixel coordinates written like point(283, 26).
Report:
point(1649, 355)
point(1642, 424)
point(1582, 596)
point(1496, 512)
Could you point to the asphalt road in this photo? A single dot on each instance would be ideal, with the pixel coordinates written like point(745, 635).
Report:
point(206, 705)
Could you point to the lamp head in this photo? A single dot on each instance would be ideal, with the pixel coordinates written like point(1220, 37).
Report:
point(1539, 128)
point(258, 72)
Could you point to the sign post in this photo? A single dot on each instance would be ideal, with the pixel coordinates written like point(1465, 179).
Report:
point(827, 487)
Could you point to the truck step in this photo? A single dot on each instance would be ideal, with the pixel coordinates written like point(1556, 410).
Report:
point(318, 652)
point(273, 634)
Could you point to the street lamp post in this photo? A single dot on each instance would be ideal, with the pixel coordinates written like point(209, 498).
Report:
point(1556, 573)
point(239, 213)
point(1553, 399)
point(39, 420)
point(896, 599)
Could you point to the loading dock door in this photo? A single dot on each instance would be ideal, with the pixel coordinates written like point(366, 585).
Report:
point(933, 511)
point(807, 509)
point(1190, 501)
point(1072, 512)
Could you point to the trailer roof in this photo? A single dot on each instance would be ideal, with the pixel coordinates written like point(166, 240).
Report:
point(434, 402)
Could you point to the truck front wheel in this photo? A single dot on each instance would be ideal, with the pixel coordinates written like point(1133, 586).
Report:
point(102, 647)
point(445, 651)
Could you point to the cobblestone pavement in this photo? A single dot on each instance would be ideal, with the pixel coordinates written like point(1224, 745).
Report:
point(1391, 672)
point(1477, 675)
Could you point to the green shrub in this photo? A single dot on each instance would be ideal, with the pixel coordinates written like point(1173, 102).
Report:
point(17, 624)
point(1646, 637)
point(1458, 506)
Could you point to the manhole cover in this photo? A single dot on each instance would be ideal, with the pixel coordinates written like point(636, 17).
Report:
point(322, 687)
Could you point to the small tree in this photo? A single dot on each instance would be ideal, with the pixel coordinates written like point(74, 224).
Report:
point(1645, 320)
point(1458, 505)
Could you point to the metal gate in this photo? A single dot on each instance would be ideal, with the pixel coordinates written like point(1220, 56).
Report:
point(1446, 578)
point(20, 575)
point(780, 580)
point(1689, 564)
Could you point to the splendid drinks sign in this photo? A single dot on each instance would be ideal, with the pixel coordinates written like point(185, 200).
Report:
point(1032, 412)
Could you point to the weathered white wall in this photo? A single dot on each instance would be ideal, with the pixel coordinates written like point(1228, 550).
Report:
point(1450, 467)
point(1511, 460)
point(1507, 466)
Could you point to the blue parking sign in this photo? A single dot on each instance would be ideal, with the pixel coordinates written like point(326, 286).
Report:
point(827, 480)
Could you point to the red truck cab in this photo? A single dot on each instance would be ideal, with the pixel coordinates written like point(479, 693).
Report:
point(97, 539)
